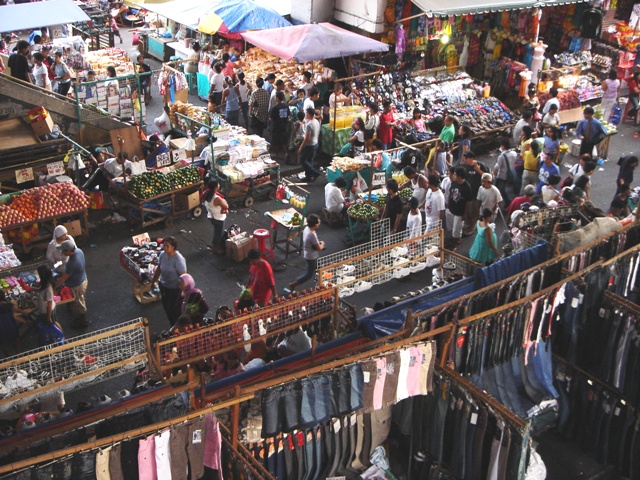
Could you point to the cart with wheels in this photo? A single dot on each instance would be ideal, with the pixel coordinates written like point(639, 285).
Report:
point(246, 192)
point(162, 208)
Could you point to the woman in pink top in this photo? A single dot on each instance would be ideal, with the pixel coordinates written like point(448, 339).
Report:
point(229, 67)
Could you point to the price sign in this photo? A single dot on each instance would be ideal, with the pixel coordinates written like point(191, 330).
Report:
point(379, 179)
point(138, 167)
point(179, 154)
point(140, 239)
point(163, 160)
point(24, 175)
point(56, 168)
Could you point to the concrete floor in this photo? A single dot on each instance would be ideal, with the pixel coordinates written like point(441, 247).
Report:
point(110, 298)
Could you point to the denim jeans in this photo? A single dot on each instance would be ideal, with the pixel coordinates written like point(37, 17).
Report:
point(307, 406)
point(290, 401)
point(322, 396)
point(171, 303)
point(307, 155)
point(543, 367)
point(270, 403)
point(244, 106)
point(357, 385)
point(312, 266)
point(218, 231)
point(233, 117)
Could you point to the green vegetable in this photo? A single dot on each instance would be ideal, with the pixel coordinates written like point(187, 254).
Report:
point(362, 211)
point(150, 184)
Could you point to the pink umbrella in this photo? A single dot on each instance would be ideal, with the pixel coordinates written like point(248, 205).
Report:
point(305, 43)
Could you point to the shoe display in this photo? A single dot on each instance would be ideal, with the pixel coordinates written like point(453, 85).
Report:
point(85, 359)
point(103, 400)
point(362, 286)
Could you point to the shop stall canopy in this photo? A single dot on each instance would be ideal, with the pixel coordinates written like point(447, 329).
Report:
point(305, 43)
point(27, 16)
point(231, 17)
point(463, 7)
point(184, 12)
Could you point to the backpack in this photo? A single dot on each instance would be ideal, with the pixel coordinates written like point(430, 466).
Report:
point(511, 176)
point(567, 182)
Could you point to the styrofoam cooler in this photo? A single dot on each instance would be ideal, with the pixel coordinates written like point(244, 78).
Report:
point(575, 147)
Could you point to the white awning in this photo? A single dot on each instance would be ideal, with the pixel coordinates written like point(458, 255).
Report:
point(184, 12)
point(27, 16)
point(463, 7)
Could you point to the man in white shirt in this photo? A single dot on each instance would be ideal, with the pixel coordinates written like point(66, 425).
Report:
point(308, 84)
point(111, 168)
point(309, 146)
point(552, 101)
point(216, 80)
point(333, 197)
point(434, 204)
point(312, 97)
point(517, 129)
point(279, 88)
point(488, 193)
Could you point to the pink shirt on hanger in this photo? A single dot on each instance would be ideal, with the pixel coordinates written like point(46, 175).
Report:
point(413, 376)
point(381, 368)
point(147, 459)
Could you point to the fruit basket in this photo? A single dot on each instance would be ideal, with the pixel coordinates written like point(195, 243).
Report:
point(363, 211)
point(27, 219)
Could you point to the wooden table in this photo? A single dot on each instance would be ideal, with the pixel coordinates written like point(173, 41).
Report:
point(280, 220)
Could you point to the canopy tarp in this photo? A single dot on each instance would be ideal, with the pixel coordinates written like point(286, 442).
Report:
point(463, 7)
point(27, 16)
point(305, 43)
point(184, 12)
point(240, 16)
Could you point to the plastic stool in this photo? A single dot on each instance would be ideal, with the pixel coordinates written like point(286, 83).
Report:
point(259, 241)
point(192, 79)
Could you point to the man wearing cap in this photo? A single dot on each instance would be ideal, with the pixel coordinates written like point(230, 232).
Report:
point(75, 277)
point(488, 194)
point(434, 203)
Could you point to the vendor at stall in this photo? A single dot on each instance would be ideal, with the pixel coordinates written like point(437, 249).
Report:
point(54, 254)
point(160, 148)
point(337, 98)
point(333, 196)
point(107, 171)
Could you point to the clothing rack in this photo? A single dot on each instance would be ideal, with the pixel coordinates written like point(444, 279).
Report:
point(621, 302)
point(113, 439)
point(516, 421)
point(553, 261)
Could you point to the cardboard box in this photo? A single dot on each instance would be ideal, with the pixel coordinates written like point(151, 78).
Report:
point(43, 126)
point(187, 202)
point(238, 247)
point(73, 228)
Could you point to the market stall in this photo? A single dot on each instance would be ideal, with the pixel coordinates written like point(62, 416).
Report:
point(289, 222)
point(27, 218)
point(154, 196)
point(240, 162)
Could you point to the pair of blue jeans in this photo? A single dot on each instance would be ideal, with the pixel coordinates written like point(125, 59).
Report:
point(307, 156)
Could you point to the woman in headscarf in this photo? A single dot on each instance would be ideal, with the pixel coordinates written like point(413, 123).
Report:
point(193, 303)
point(54, 254)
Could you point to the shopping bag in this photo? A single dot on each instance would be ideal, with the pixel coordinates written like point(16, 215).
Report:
point(360, 183)
point(49, 334)
point(135, 39)
point(616, 115)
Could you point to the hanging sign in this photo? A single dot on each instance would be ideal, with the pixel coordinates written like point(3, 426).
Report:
point(140, 239)
point(56, 168)
point(379, 179)
point(24, 175)
point(178, 154)
point(163, 160)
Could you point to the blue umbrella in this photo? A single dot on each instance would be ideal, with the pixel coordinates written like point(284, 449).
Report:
point(240, 16)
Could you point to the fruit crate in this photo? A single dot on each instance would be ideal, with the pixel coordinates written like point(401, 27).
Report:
point(33, 237)
point(141, 212)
